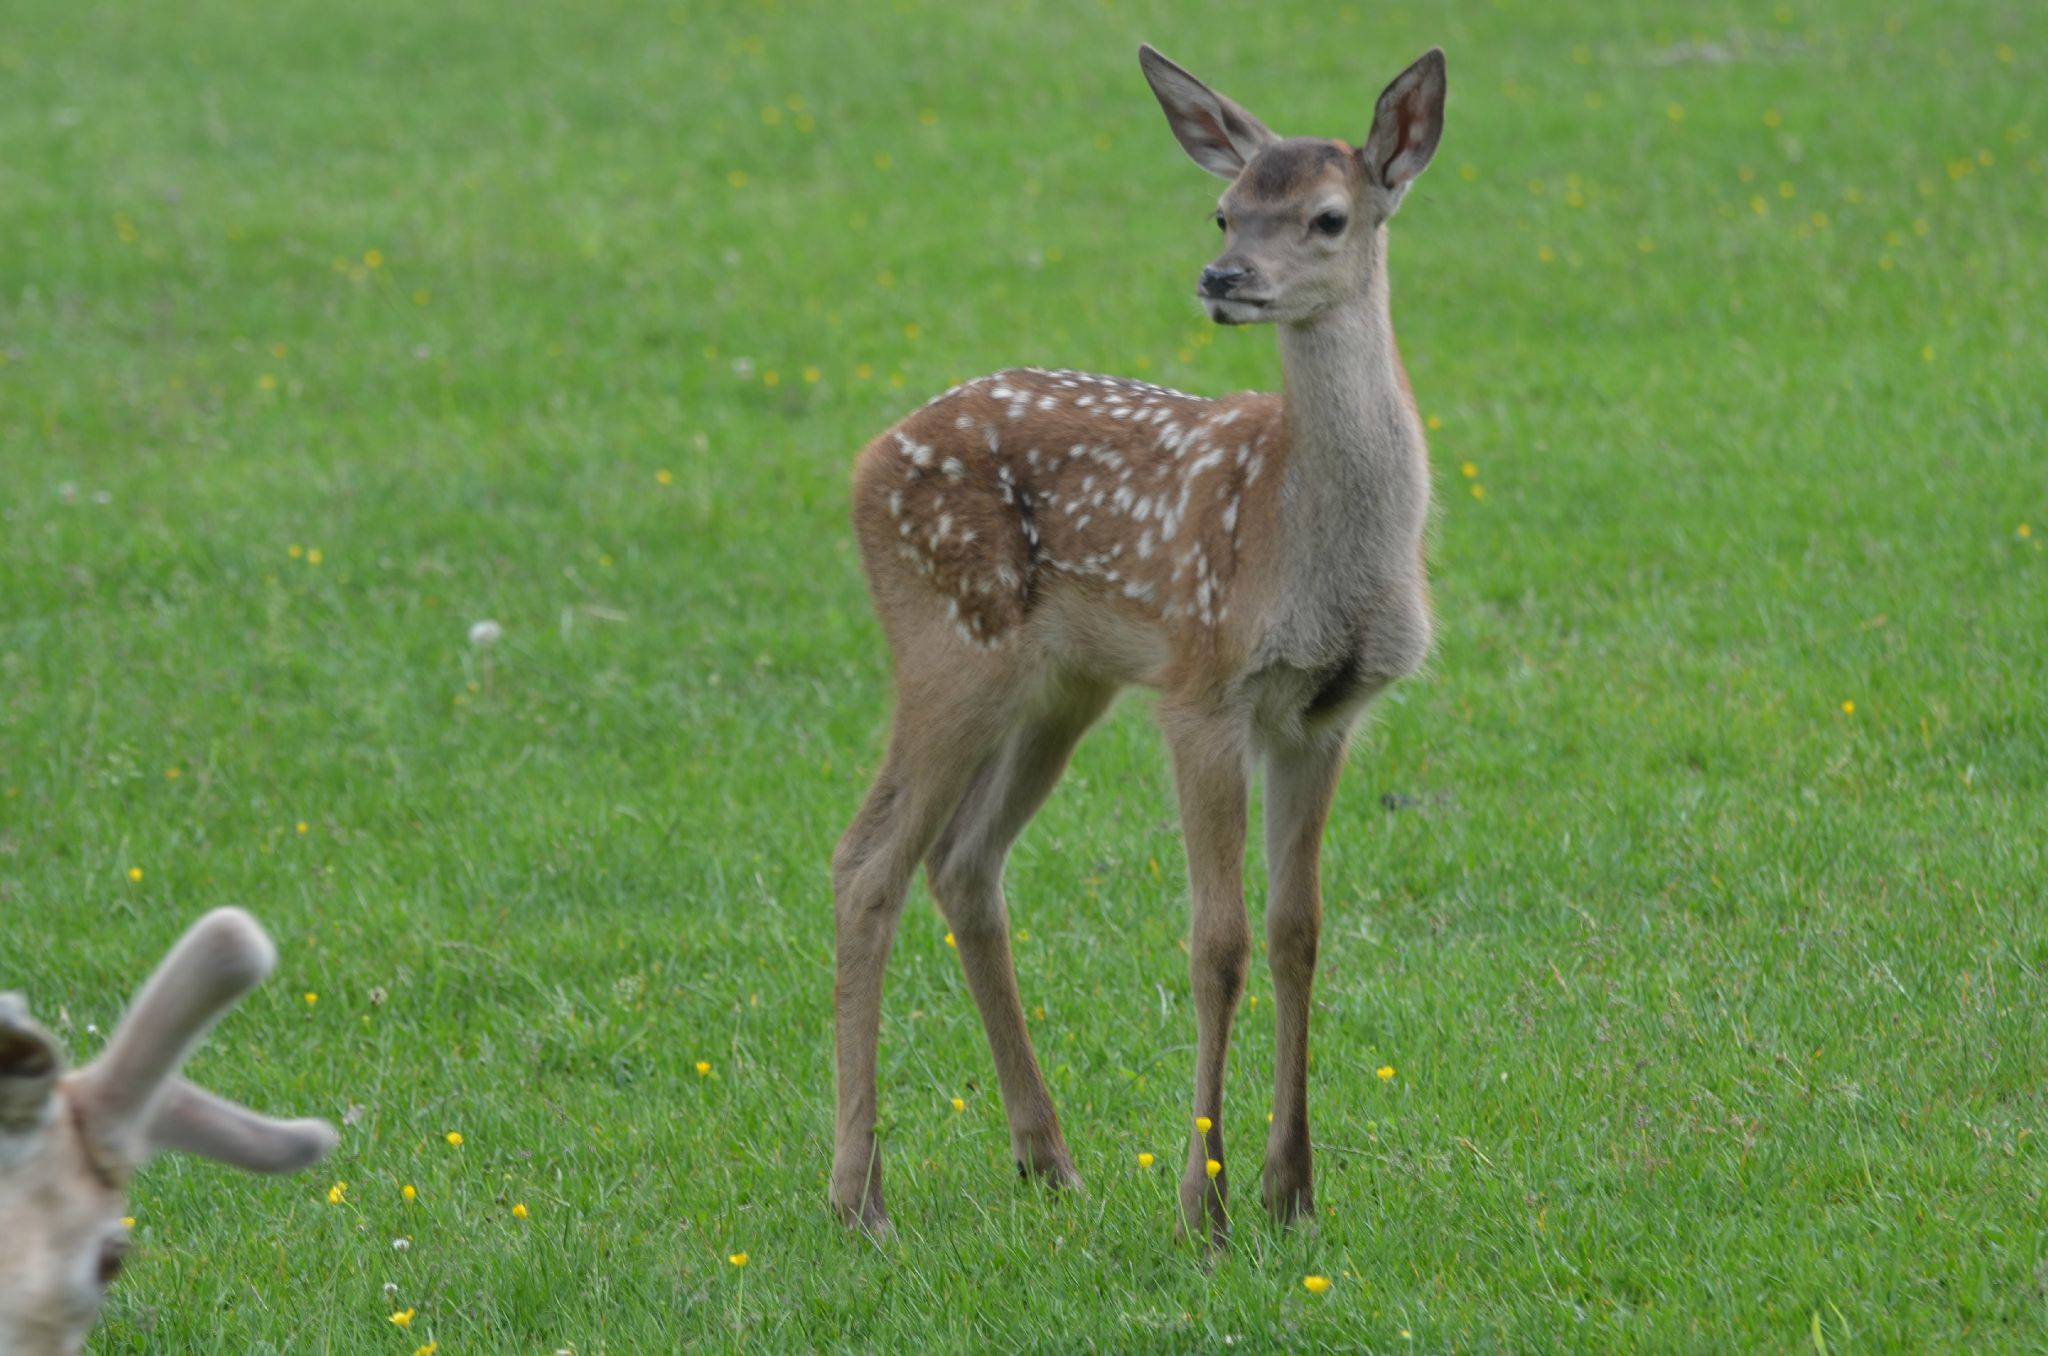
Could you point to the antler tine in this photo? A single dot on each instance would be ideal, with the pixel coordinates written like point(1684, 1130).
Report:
point(220, 958)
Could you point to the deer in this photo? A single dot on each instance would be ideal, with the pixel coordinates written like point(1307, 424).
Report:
point(1036, 540)
point(71, 1143)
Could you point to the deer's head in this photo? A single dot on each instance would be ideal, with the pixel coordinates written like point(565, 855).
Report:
point(1303, 218)
point(70, 1143)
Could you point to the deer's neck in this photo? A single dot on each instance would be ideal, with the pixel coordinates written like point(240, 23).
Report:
point(1347, 402)
point(1355, 499)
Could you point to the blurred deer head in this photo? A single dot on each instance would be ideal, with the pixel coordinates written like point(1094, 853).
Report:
point(69, 1143)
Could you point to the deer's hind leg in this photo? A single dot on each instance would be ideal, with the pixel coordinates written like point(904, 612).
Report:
point(965, 871)
point(954, 706)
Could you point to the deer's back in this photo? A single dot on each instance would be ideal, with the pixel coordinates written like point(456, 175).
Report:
point(1014, 494)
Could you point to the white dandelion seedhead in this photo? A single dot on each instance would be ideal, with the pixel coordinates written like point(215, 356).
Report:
point(485, 634)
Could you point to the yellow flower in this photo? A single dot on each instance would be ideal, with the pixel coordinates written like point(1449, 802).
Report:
point(373, 258)
point(403, 1318)
point(1145, 1160)
point(267, 382)
point(1386, 1073)
point(311, 998)
point(1848, 708)
point(864, 372)
point(703, 1068)
point(950, 941)
point(455, 1138)
point(1785, 189)
point(959, 1104)
point(519, 1210)
point(171, 774)
point(1203, 1124)
point(135, 874)
point(428, 1350)
point(738, 1259)
point(337, 1193)
point(1434, 422)
point(302, 826)
point(1478, 491)
point(313, 557)
point(1212, 1167)
point(295, 550)
point(1546, 254)
point(1315, 1285)
point(664, 477)
point(1470, 470)
point(409, 1192)
point(2025, 530)
point(771, 378)
point(812, 374)
point(127, 1221)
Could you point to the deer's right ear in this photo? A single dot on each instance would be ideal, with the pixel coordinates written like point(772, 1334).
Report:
point(1217, 134)
point(29, 1065)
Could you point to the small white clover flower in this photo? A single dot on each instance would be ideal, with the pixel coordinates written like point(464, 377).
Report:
point(485, 633)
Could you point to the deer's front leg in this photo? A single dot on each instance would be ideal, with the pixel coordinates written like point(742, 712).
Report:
point(1209, 775)
point(1301, 781)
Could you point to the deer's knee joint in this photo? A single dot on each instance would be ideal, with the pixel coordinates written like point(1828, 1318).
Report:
point(963, 880)
point(1222, 958)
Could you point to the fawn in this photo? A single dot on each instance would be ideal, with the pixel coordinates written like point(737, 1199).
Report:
point(70, 1143)
point(1035, 540)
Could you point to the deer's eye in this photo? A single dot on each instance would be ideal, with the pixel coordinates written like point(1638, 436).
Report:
point(1221, 224)
point(112, 1254)
point(1330, 223)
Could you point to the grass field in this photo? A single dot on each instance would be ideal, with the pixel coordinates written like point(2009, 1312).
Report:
point(1706, 944)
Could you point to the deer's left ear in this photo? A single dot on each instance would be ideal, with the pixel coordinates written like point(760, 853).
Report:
point(1407, 123)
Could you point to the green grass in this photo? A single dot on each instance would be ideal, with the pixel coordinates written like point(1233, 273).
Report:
point(1717, 1010)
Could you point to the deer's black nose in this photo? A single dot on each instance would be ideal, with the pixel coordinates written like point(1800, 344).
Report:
point(1220, 282)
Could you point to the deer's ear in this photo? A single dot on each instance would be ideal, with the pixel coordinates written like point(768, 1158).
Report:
point(29, 1065)
point(1407, 123)
point(1217, 134)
